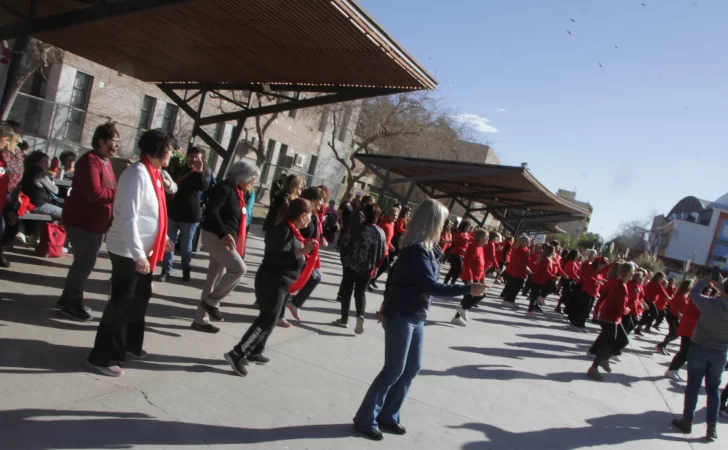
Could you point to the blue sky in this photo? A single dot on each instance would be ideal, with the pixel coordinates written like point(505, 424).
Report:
point(632, 137)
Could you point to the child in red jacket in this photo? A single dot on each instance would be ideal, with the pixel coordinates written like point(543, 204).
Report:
point(570, 277)
point(460, 241)
point(688, 322)
point(474, 264)
point(675, 308)
point(517, 270)
point(613, 337)
point(491, 257)
point(655, 296)
point(546, 270)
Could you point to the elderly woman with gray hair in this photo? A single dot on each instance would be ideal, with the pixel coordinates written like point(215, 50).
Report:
point(223, 236)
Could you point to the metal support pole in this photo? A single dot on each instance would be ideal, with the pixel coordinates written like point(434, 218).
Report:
point(195, 126)
point(20, 47)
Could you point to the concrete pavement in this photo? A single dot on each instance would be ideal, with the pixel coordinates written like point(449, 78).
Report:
point(505, 382)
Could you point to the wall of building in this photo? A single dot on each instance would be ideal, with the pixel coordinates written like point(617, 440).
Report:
point(689, 241)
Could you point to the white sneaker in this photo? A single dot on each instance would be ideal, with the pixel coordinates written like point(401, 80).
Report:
point(541, 301)
point(294, 311)
point(616, 359)
point(458, 321)
point(21, 237)
point(463, 312)
point(111, 371)
point(673, 375)
point(506, 304)
point(339, 323)
point(530, 314)
point(359, 325)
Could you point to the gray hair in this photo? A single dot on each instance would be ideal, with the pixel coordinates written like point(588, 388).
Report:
point(242, 172)
point(590, 252)
point(425, 225)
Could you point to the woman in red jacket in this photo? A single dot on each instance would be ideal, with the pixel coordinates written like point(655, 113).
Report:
point(503, 253)
point(445, 241)
point(491, 258)
point(517, 270)
point(591, 279)
point(569, 279)
point(474, 264)
point(613, 337)
point(546, 271)
point(460, 242)
point(688, 322)
point(654, 292)
point(674, 311)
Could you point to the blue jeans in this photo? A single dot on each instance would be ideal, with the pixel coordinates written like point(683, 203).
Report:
point(186, 232)
point(709, 364)
point(403, 345)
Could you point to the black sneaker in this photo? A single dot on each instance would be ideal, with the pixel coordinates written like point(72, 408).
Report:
point(374, 434)
point(214, 313)
point(4, 261)
point(712, 434)
point(237, 362)
point(638, 332)
point(186, 275)
point(258, 360)
point(394, 428)
point(373, 285)
point(76, 312)
point(205, 328)
point(163, 277)
point(683, 425)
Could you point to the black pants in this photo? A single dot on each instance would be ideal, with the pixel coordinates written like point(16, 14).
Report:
point(456, 266)
point(527, 286)
point(682, 355)
point(536, 292)
point(121, 328)
point(85, 246)
point(610, 342)
point(383, 268)
point(579, 309)
point(357, 283)
point(566, 287)
point(649, 316)
point(673, 322)
point(660, 318)
point(513, 286)
point(271, 301)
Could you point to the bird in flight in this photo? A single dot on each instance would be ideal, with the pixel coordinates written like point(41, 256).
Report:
point(616, 47)
point(600, 65)
point(568, 32)
point(644, 6)
point(573, 20)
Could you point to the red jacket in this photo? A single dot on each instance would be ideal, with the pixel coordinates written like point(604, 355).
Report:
point(678, 303)
point(590, 279)
point(545, 270)
point(656, 293)
point(532, 258)
point(445, 236)
point(634, 292)
point(91, 202)
point(689, 320)
point(400, 226)
point(473, 264)
point(460, 243)
point(670, 290)
point(614, 306)
point(491, 259)
point(388, 228)
point(519, 260)
point(603, 294)
point(571, 270)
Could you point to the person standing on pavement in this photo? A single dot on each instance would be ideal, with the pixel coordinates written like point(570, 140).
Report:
point(688, 322)
point(283, 271)
point(386, 223)
point(136, 242)
point(344, 217)
point(185, 212)
point(406, 300)
point(706, 357)
point(87, 215)
point(675, 309)
point(461, 239)
point(223, 236)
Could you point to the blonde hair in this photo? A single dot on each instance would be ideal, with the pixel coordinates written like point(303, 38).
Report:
point(425, 225)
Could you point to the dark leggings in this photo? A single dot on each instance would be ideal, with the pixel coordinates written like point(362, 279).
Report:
point(527, 286)
point(456, 266)
point(566, 287)
point(579, 309)
point(536, 290)
point(513, 286)
point(682, 355)
point(610, 342)
point(673, 322)
point(383, 268)
point(649, 316)
point(357, 283)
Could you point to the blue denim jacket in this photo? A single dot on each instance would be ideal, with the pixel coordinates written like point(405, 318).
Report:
point(412, 282)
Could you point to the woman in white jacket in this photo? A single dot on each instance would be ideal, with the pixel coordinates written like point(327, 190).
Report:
point(136, 241)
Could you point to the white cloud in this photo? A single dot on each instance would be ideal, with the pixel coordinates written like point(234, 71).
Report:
point(479, 124)
point(500, 110)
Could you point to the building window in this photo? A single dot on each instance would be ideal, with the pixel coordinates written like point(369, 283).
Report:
point(170, 116)
point(344, 124)
point(312, 165)
point(145, 117)
point(281, 163)
point(79, 104)
point(292, 113)
point(324, 120)
point(268, 157)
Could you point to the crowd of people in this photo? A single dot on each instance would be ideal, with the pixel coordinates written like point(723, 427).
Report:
point(153, 209)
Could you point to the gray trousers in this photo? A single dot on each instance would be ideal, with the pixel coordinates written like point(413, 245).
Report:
point(85, 246)
point(225, 272)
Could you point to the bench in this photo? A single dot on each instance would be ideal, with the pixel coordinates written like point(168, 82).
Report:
point(37, 217)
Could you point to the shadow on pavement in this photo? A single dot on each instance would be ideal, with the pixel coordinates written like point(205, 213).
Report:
point(73, 429)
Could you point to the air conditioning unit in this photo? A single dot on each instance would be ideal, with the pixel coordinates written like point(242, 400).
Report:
point(300, 160)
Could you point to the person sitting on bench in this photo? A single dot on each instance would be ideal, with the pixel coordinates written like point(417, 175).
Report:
point(39, 186)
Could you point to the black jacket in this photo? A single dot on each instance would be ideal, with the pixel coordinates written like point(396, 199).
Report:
point(280, 267)
point(185, 205)
point(32, 185)
point(222, 211)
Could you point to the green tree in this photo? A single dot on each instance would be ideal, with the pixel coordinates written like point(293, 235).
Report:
point(589, 240)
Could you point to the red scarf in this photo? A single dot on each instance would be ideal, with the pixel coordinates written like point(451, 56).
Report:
point(240, 241)
point(160, 240)
point(311, 261)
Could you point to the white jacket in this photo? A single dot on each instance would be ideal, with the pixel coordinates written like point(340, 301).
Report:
point(136, 215)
